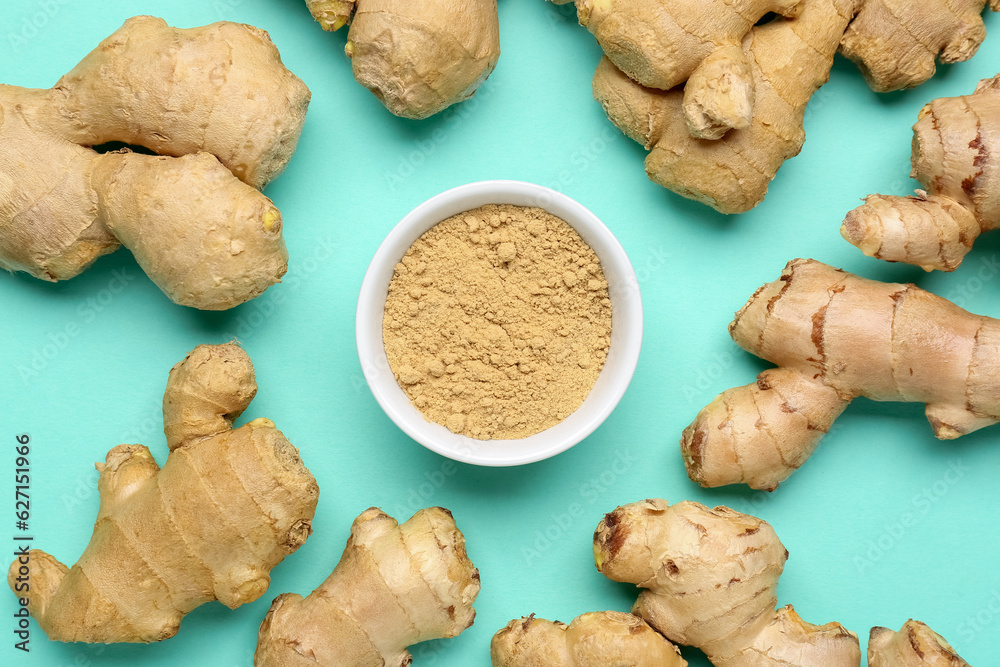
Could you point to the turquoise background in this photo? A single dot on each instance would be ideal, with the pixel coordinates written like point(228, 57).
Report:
point(83, 363)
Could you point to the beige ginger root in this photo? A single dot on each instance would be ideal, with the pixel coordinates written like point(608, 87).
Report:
point(418, 58)
point(915, 645)
point(751, 95)
point(332, 15)
point(956, 142)
point(789, 59)
point(663, 44)
point(394, 586)
point(660, 44)
point(595, 639)
point(895, 42)
point(711, 577)
point(223, 114)
point(836, 336)
point(227, 506)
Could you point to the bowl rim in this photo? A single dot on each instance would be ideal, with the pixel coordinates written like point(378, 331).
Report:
point(627, 325)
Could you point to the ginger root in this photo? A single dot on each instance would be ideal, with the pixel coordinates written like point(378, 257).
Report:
point(789, 60)
point(836, 336)
point(895, 43)
point(223, 114)
point(711, 577)
point(418, 58)
point(747, 85)
point(660, 44)
point(663, 44)
point(955, 144)
point(227, 506)
point(394, 586)
point(332, 15)
point(595, 639)
point(915, 645)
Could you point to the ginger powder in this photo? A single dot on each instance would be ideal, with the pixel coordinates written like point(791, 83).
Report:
point(497, 322)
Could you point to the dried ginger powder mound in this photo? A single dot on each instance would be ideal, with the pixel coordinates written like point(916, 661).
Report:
point(498, 322)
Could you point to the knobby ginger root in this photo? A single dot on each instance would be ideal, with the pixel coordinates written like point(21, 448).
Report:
point(418, 58)
point(711, 577)
point(395, 585)
point(216, 100)
point(227, 506)
point(220, 88)
point(915, 645)
point(748, 87)
point(836, 336)
point(662, 45)
point(596, 639)
point(895, 43)
point(789, 60)
point(332, 15)
point(955, 146)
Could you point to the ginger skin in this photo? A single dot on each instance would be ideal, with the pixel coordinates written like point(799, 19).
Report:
point(836, 336)
point(662, 45)
point(955, 144)
point(332, 15)
point(749, 94)
point(915, 645)
point(789, 60)
point(711, 577)
point(194, 220)
point(227, 506)
point(896, 43)
point(209, 269)
point(595, 639)
point(207, 71)
point(418, 58)
point(394, 586)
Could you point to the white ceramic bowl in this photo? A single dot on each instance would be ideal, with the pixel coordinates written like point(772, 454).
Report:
point(626, 326)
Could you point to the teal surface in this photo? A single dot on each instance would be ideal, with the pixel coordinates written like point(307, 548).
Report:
point(884, 522)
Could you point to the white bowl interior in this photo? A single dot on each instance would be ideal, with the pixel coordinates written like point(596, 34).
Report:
point(626, 325)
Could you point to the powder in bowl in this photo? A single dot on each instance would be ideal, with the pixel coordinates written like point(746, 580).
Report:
point(497, 322)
